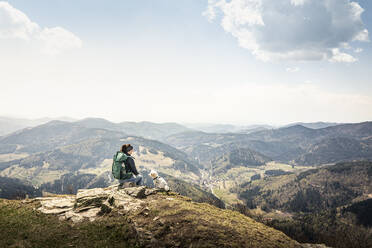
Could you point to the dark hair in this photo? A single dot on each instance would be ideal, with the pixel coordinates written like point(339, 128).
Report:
point(126, 148)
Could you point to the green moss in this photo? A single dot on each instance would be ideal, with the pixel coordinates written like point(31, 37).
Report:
point(21, 226)
point(202, 225)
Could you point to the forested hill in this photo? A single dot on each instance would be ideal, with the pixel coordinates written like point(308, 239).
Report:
point(313, 190)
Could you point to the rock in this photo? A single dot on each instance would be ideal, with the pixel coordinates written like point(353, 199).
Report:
point(58, 202)
point(90, 203)
point(124, 201)
point(91, 197)
point(56, 205)
point(151, 191)
point(54, 211)
point(138, 192)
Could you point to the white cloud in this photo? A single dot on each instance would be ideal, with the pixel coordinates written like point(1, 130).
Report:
point(358, 50)
point(338, 56)
point(58, 39)
point(15, 25)
point(292, 69)
point(298, 2)
point(292, 29)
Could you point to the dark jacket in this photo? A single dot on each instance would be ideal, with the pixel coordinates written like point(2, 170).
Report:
point(130, 165)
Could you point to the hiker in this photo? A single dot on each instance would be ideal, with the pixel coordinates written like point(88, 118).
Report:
point(123, 166)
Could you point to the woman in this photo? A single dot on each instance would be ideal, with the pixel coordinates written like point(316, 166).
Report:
point(130, 166)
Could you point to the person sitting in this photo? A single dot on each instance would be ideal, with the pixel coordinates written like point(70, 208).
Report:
point(128, 173)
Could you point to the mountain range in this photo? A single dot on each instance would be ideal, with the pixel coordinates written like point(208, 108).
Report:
point(63, 156)
point(292, 174)
point(295, 145)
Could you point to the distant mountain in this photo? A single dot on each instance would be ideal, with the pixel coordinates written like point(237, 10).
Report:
point(99, 123)
point(332, 150)
point(50, 136)
point(227, 128)
point(9, 125)
point(147, 130)
point(304, 135)
point(312, 190)
point(238, 157)
point(294, 134)
point(62, 154)
point(295, 144)
point(314, 125)
point(255, 129)
point(214, 128)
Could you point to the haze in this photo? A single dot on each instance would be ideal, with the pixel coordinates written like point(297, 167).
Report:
point(238, 61)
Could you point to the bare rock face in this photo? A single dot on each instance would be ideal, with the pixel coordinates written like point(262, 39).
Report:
point(90, 203)
point(56, 205)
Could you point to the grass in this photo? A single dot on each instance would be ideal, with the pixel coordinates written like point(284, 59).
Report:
point(183, 222)
point(21, 226)
point(226, 196)
point(12, 156)
point(164, 220)
point(34, 175)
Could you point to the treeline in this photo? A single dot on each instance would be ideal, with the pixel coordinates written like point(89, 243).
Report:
point(11, 188)
point(326, 227)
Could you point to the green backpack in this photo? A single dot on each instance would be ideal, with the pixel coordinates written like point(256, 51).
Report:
point(117, 169)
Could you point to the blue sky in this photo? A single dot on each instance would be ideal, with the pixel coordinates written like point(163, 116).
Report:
point(172, 60)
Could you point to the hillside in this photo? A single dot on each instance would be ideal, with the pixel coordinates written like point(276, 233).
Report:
point(11, 188)
point(332, 150)
point(227, 128)
point(97, 218)
point(314, 125)
point(52, 135)
point(193, 191)
point(91, 159)
point(143, 129)
point(62, 157)
point(313, 190)
point(296, 144)
point(236, 158)
point(9, 125)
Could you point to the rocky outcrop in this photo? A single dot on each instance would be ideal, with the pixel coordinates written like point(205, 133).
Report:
point(166, 219)
point(88, 204)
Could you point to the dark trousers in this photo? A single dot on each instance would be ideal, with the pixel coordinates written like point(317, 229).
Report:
point(137, 180)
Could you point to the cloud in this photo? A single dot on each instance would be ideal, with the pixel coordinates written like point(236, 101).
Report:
point(358, 50)
point(338, 56)
point(292, 69)
point(299, 30)
point(15, 25)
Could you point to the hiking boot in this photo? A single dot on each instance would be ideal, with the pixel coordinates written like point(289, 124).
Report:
point(129, 185)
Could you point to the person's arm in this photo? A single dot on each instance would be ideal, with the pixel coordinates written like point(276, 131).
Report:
point(132, 166)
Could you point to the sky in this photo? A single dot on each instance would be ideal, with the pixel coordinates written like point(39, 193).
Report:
point(187, 61)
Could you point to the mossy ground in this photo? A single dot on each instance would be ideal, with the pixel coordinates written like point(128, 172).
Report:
point(22, 226)
point(163, 220)
point(176, 221)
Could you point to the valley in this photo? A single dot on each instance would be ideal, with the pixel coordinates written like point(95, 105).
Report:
point(283, 177)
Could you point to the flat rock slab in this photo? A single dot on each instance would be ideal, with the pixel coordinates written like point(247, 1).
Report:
point(58, 202)
point(88, 203)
